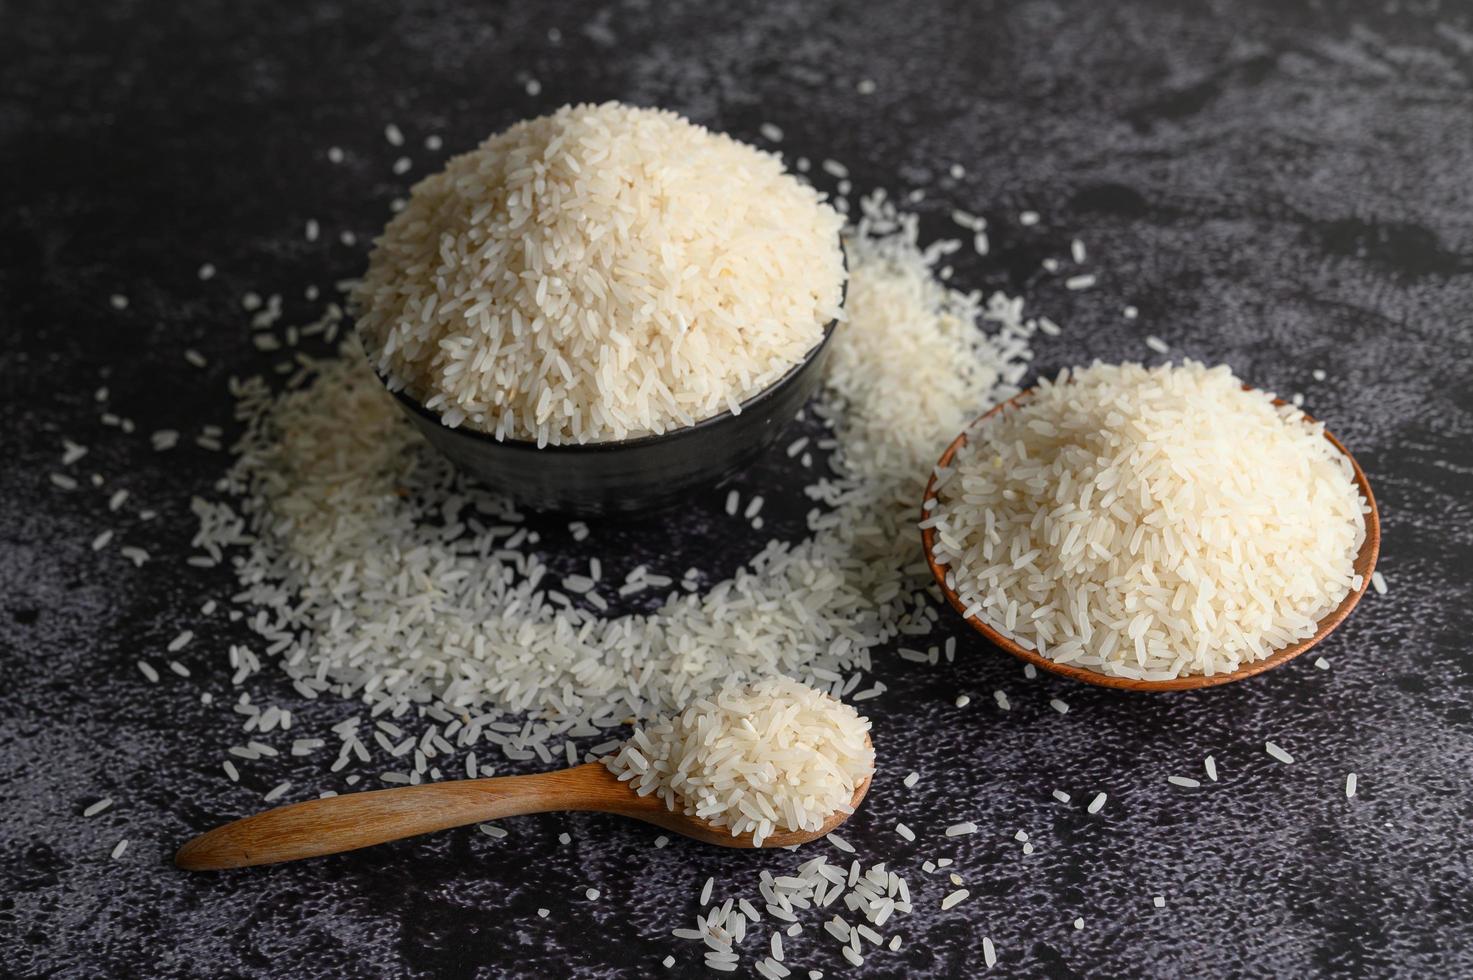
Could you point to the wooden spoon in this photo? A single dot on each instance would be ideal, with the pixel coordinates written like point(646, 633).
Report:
point(1365, 564)
point(345, 823)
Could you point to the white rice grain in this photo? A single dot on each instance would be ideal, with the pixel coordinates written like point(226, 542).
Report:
point(1278, 753)
point(954, 898)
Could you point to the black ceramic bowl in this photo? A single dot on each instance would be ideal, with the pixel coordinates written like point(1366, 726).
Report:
point(629, 475)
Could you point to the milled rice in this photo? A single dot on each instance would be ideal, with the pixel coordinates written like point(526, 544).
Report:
point(600, 273)
point(370, 569)
point(775, 755)
point(1150, 523)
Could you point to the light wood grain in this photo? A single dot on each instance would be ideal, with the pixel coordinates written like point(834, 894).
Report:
point(345, 823)
point(1365, 564)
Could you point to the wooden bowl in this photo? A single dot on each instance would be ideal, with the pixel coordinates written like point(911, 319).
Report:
point(1365, 564)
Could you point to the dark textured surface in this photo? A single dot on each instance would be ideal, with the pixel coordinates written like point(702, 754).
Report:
point(1279, 189)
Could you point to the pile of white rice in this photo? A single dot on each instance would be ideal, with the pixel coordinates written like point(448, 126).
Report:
point(1150, 523)
point(600, 273)
point(774, 755)
point(369, 569)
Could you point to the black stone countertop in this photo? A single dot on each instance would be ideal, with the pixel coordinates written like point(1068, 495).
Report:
point(1279, 189)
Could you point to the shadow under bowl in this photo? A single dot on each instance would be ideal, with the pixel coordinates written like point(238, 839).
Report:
point(629, 475)
point(1365, 564)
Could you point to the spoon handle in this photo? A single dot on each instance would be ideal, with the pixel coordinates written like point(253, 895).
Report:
point(345, 823)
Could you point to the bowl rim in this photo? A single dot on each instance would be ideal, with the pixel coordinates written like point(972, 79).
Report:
point(1364, 564)
point(613, 445)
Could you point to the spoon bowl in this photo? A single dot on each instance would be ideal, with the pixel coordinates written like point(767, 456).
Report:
point(315, 828)
point(1365, 564)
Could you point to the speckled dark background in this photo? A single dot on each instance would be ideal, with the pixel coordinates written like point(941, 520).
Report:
point(1280, 189)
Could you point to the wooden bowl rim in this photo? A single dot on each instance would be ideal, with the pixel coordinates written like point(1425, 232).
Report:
point(1365, 564)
